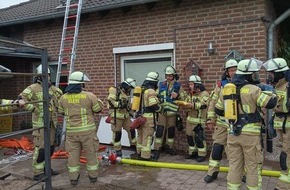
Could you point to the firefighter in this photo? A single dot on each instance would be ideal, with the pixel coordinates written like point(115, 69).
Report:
point(279, 75)
point(169, 91)
point(240, 103)
point(119, 110)
point(218, 123)
point(34, 93)
point(198, 100)
point(79, 107)
point(151, 106)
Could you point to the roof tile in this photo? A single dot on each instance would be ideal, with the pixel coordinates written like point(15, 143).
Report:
point(36, 10)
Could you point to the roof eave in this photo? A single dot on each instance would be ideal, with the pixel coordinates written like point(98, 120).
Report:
point(61, 14)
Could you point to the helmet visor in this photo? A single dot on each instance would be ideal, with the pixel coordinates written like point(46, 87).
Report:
point(271, 65)
point(254, 65)
point(86, 77)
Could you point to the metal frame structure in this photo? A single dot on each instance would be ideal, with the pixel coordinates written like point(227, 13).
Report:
point(34, 52)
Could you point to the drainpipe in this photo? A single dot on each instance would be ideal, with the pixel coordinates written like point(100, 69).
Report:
point(271, 29)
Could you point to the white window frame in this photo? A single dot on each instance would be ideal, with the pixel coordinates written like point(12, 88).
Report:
point(143, 49)
point(147, 56)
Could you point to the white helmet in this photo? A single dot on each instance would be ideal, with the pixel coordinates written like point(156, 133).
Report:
point(39, 70)
point(231, 63)
point(276, 65)
point(195, 79)
point(169, 70)
point(78, 77)
point(248, 66)
point(131, 82)
point(152, 76)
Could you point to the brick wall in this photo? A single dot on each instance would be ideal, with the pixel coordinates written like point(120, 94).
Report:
point(230, 24)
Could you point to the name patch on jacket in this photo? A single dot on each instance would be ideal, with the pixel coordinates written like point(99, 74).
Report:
point(75, 98)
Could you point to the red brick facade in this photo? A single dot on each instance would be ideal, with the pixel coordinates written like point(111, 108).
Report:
point(191, 25)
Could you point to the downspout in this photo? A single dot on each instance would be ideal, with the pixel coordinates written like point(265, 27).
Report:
point(271, 29)
point(115, 69)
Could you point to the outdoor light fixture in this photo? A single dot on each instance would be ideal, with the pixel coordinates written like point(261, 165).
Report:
point(210, 49)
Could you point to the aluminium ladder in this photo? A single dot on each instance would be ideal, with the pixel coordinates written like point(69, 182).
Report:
point(67, 52)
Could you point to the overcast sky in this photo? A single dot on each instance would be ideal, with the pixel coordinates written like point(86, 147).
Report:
point(7, 3)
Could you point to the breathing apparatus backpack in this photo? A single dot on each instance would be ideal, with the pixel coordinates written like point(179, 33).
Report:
point(230, 97)
point(137, 95)
point(137, 107)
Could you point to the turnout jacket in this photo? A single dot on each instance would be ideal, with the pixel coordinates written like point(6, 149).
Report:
point(251, 98)
point(79, 109)
point(282, 117)
point(34, 92)
point(211, 116)
point(115, 98)
point(197, 114)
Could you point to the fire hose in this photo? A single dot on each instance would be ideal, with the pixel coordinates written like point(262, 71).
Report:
point(112, 158)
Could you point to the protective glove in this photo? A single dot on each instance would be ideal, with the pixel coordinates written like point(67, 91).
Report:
point(266, 87)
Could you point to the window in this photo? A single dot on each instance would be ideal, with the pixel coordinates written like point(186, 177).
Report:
point(137, 67)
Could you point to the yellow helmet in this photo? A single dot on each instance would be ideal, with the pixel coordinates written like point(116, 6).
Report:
point(152, 76)
point(195, 79)
point(248, 66)
point(231, 63)
point(78, 77)
point(276, 65)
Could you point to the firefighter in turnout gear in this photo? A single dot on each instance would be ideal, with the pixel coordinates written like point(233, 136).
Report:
point(198, 100)
point(119, 110)
point(218, 123)
point(279, 75)
point(244, 147)
point(150, 106)
point(79, 107)
point(169, 91)
point(34, 92)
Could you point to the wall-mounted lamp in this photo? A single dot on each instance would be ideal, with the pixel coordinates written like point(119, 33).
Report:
point(210, 49)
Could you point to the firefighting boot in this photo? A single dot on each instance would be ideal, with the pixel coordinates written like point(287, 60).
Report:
point(53, 172)
point(191, 156)
point(135, 156)
point(155, 155)
point(119, 153)
point(93, 179)
point(200, 158)
point(39, 177)
point(170, 150)
point(209, 179)
point(244, 179)
point(75, 182)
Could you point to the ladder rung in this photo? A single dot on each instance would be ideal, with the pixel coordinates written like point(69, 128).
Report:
point(69, 38)
point(72, 16)
point(74, 5)
point(64, 63)
point(63, 83)
point(65, 72)
point(66, 49)
point(65, 60)
point(70, 27)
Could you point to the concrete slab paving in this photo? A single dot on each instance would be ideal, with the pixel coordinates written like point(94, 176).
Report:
point(124, 176)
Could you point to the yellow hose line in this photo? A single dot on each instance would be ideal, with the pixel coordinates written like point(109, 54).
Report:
point(269, 173)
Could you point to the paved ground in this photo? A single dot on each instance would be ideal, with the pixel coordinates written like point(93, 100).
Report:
point(123, 176)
